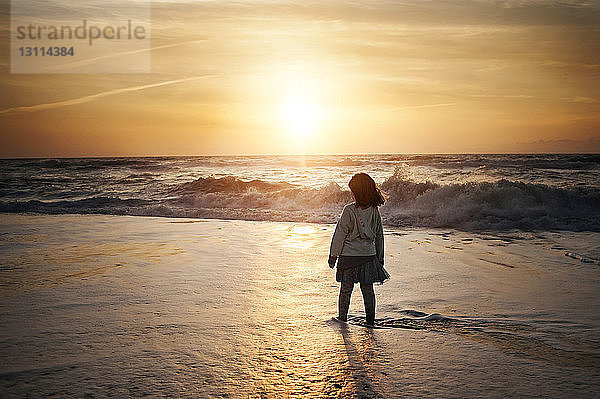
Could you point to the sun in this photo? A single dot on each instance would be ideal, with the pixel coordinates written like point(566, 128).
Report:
point(300, 115)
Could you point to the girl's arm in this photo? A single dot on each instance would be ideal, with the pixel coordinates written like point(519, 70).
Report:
point(379, 245)
point(342, 229)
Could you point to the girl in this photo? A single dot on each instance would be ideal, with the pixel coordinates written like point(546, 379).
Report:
point(357, 245)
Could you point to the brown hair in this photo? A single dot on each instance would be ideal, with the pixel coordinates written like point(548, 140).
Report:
point(365, 191)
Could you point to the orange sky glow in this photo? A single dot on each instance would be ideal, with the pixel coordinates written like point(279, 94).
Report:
point(331, 77)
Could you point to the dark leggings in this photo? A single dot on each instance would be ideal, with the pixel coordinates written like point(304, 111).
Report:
point(368, 298)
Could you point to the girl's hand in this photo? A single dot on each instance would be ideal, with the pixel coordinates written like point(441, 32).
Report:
point(332, 260)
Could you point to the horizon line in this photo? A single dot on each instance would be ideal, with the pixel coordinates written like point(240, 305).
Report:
point(294, 155)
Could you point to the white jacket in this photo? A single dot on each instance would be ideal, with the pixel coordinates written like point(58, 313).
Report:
point(358, 232)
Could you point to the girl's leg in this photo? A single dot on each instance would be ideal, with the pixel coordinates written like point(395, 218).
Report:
point(369, 299)
point(344, 299)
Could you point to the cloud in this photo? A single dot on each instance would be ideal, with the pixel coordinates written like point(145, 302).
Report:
point(92, 97)
point(591, 145)
point(580, 99)
point(423, 106)
point(88, 61)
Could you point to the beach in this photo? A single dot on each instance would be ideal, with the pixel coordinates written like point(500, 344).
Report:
point(172, 173)
point(102, 305)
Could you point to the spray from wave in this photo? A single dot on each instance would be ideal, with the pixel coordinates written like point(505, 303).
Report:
point(491, 205)
point(499, 205)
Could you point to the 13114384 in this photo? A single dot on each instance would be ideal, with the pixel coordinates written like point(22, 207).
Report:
point(50, 51)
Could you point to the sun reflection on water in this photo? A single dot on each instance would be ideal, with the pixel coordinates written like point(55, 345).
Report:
point(292, 348)
point(300, 237)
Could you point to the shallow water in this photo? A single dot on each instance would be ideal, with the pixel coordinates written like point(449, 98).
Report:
point(133, 306)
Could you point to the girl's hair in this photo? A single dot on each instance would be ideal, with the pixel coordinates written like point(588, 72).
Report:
point(366, 193)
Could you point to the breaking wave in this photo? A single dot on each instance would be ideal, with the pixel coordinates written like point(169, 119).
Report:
point(503, 204)
point(499, 205)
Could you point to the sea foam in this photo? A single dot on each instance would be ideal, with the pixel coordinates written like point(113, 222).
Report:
point(501, 204)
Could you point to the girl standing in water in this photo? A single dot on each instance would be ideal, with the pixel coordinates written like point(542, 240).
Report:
point(357, 245)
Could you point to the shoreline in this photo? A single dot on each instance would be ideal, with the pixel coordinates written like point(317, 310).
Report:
point(388, 227)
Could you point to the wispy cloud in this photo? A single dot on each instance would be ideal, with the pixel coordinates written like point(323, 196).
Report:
point(93, 97)
point(591, 145)
point(114, 55)
point(580, 99)
point(423, 106)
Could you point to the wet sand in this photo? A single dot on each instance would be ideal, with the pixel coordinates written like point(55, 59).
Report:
point(96, 306)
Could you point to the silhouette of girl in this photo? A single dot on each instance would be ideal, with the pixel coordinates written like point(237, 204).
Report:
point(357, 245)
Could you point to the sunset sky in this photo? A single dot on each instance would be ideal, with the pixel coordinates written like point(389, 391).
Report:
point(280, 77)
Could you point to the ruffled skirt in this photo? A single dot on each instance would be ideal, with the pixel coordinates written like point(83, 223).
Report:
point(369, 272)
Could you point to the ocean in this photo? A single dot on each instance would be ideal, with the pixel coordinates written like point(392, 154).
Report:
point(467, 192)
